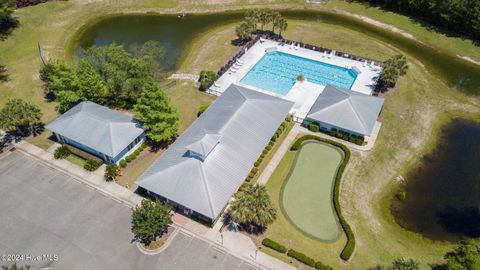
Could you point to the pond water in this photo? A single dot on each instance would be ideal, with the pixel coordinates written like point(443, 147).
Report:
point(175, 35)
point(443, 194)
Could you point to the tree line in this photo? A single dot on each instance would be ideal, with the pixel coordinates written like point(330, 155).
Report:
point(260, 17)
point(112, 76)
point(460, 16)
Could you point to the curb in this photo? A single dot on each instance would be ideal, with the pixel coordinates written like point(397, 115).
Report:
point(159, 250)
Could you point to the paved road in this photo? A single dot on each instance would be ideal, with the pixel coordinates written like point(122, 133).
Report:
point(44, 212)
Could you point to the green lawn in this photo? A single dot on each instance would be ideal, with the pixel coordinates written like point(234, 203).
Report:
point(306, 197)
point(79, 161)
point(412, 114)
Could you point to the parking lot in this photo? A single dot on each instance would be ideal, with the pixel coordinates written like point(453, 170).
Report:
point(49, 220)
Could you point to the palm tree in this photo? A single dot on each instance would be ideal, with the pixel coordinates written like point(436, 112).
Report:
point(253, 206)
point(275, 18)
point(264, 17)
point(253, 14)
point(282, 25)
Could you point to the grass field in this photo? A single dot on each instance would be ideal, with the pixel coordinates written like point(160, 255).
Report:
point(306, 197)
point(412, 113)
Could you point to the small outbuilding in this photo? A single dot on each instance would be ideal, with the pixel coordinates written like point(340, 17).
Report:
point(98, 130)
point(345, 110)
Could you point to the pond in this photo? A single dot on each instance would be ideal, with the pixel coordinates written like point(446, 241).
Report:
point(175, 35)
point(306, 196)
point(443, 194)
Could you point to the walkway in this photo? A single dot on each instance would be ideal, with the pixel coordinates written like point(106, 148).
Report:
point(277, 157)
point(95, 179)
point(235, 243)
point(184, 76)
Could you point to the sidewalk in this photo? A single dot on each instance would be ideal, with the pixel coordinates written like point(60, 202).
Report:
point(233, 242)
point(277, 157)
point(92, 179)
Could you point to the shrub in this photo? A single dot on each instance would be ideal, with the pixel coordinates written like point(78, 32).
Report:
point(257, 163)
point(350, 245)
point(83, 154)
point(203, 107)
point(111, 172)
point(269, 147)
point(128, 159)
point(321, 266)
point(401, 195)
point(137, 151)
point(271, 143)
point(314, 127)
point(123, 163)
point(255, 170)
point(264, 152)
point(133, 156)
point(251, 174)
point(207, 77)
point(300, 78)
point(301, 257)
point(61, 152)
point(91, 165)
point(274, 245)
point(289, 118)
point(274, 138)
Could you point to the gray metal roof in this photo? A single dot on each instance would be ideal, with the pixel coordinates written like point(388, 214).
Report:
point(98, 127)
point(346, 109)
point(229, 137)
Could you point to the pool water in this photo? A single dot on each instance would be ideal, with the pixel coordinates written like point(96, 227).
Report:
point(277, 72)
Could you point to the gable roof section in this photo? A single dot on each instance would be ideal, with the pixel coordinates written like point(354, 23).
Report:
point(346, 109)
point(98, 127)
point(233, 132)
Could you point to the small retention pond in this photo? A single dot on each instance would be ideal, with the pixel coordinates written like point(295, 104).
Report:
point(443, 193)
point(176, 34)
point(306, 197)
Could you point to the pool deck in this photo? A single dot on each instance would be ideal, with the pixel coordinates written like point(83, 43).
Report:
point(304, 93)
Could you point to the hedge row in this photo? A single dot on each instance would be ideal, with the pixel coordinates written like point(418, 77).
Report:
point(295, 254)
point(356, 139)
point(301, 257)
point(83, 154)
point(132, 156)
point(269, 147)
point(274, 245)
point(349, 247)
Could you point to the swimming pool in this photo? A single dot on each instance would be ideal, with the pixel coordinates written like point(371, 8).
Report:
point(277, 72)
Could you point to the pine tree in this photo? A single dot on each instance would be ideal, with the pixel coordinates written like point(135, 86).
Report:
point(159, 118)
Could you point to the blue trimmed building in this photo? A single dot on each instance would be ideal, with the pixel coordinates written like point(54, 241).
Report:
point(98, 130)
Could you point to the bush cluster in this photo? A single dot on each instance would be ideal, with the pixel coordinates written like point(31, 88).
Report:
point(207, 77)
point(349, 247)
point(61, 152)
point(274, 245)
point(203, 107)
point(321, 266)
point(341, 134)
point(83, 154)
point(267, 148)
point(301, 257)
point(356, 139)
point(295, 254)
point(91, 165)
point(132, 156)
point(314, 127)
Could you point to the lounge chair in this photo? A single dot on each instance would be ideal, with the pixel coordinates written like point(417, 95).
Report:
point(365, 64)
point(216, 84)
point(240, 61)
point(324, 53)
